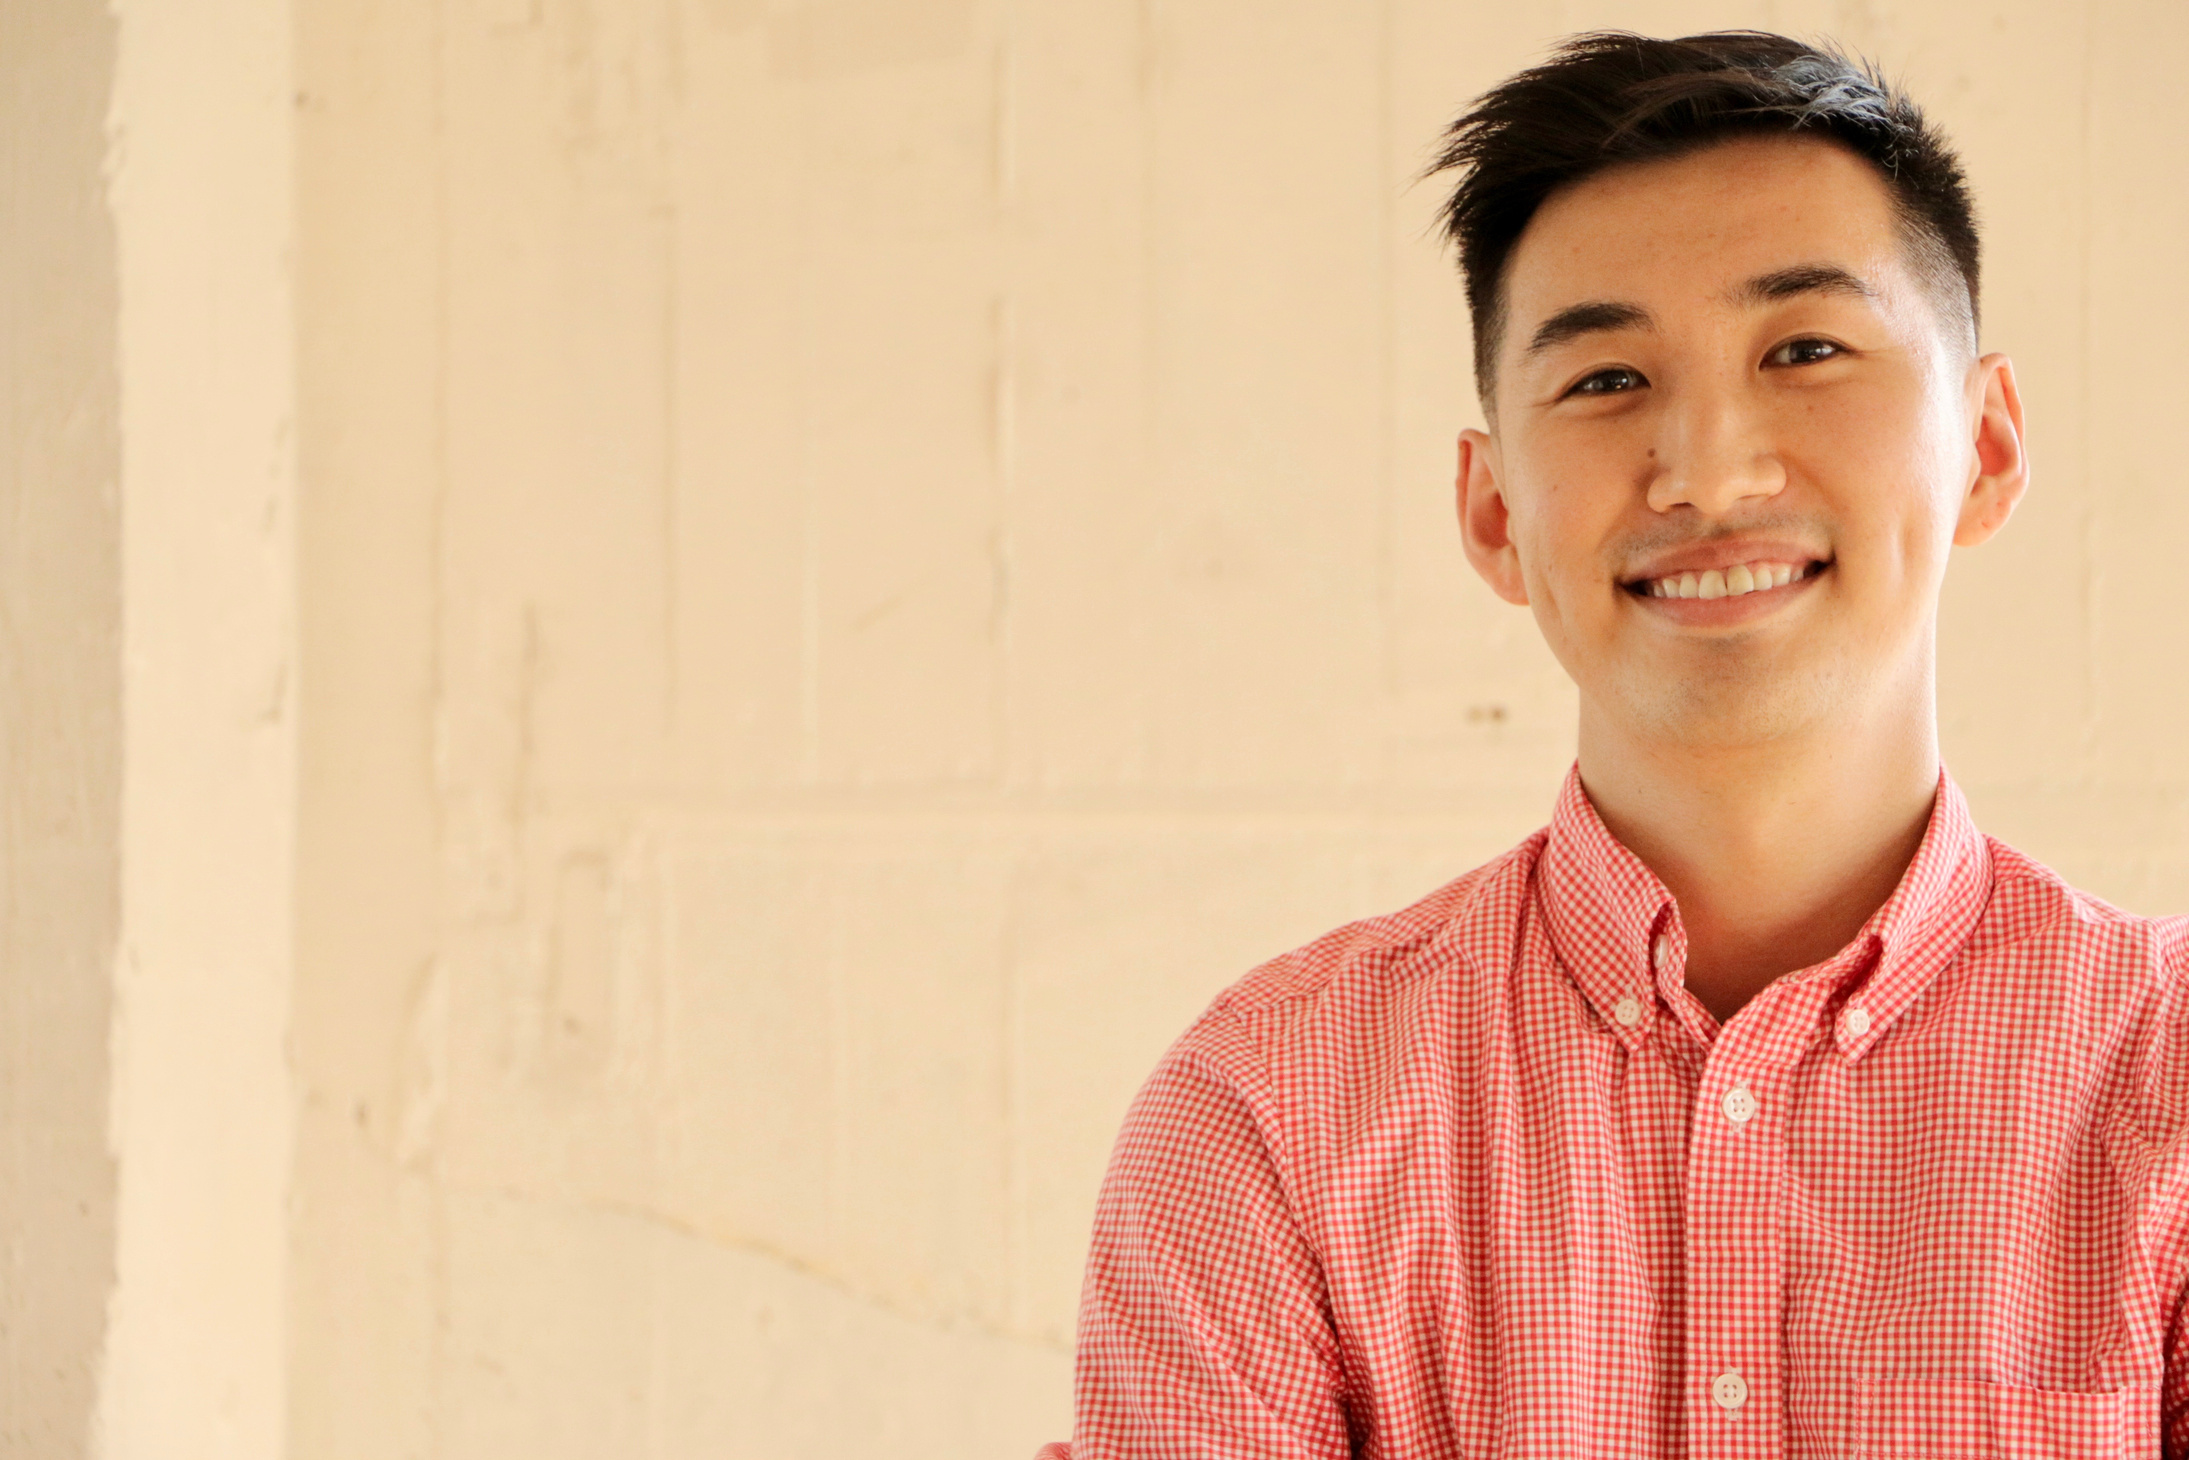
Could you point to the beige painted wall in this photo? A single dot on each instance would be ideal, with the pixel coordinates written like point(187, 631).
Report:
point(733, 610)
point(60, 732)
point(861, 559)
point(199, 182)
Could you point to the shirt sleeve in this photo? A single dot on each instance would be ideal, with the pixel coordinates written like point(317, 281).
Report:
point(2173, 1392)
point(2161, 1115)
point(2167, 1223)
point(1204, 1323)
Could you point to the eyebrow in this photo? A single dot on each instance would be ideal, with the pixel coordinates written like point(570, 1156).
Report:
point(1597, 316)
point(1802, 279)
point(1594, 317)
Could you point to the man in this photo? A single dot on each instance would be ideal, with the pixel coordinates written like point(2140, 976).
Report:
point(1759, 1105)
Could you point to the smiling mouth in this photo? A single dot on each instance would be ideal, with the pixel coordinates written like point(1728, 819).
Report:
point(1733, 582)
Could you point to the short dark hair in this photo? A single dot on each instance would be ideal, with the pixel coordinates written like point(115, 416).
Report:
point(1612, 97)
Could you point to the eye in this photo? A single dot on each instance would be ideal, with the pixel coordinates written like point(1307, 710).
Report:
point(1807, 350)
point(1614, 381)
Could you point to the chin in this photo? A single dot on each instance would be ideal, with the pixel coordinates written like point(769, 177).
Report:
point(1729, 711)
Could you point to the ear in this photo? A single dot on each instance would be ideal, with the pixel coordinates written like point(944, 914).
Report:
point(1999, 470)
point(1485, 524)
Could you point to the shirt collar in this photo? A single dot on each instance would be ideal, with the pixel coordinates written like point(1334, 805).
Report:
point(1607, 913)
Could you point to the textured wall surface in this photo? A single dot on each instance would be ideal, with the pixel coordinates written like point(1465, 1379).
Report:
point(203, 1129)
point(861, 559)
point(60, 694)
point(732, 611)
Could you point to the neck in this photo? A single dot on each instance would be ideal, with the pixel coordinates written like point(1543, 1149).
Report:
point(1777, 852)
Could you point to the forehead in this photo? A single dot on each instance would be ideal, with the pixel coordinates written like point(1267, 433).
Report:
point(1678, 234)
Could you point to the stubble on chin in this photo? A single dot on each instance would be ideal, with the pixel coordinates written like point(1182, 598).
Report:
point(1727, 698)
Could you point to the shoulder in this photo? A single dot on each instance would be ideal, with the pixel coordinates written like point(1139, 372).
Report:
point(2033, 905)
point(2114, 983)
point(1343, 987)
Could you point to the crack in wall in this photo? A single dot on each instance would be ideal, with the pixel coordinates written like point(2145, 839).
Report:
point(773, 1254)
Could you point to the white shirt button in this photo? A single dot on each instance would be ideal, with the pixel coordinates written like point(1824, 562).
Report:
point(1858, 1021)
point(1660, 952)
point(1730, 1390)
point(1628, 1011)
point(1740, 1105)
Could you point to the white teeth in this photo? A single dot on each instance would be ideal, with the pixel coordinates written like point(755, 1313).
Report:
point(1725, 582)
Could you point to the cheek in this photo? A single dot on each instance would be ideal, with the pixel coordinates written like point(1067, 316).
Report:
point(1574, 498)
point(1873, 434)
point(1547, 533)
point(1886, 464)
point(1570, 591)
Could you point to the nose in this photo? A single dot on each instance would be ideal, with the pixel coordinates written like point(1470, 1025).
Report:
point(1713, 453)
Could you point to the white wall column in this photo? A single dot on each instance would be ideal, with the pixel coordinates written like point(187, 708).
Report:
point(202, 1122)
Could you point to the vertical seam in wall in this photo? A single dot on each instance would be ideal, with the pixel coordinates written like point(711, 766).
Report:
point(1006, 467)
point(441, 1284)
point(1150, 318)
point(1004, 448)
point(1387, 488)
point(809, 524)
point(672, 231)
point(2088, 523)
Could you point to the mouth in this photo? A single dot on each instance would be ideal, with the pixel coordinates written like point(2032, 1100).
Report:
point(1738, 580)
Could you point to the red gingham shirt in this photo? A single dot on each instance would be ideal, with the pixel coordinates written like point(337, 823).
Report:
point(1482, 1177)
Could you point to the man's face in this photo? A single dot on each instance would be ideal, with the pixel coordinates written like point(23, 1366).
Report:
point(1734, 439)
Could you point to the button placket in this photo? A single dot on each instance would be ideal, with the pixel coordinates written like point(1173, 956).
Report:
point(1735, 1264)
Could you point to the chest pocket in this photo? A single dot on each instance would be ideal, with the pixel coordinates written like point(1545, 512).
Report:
point(1931, 1419)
